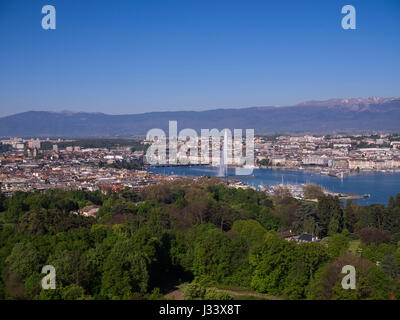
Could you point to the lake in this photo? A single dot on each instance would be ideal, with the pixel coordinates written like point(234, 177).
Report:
point(378, 184)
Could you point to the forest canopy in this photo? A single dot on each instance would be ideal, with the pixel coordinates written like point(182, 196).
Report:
point(143, 244)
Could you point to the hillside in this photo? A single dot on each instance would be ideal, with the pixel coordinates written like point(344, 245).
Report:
point(331, 116)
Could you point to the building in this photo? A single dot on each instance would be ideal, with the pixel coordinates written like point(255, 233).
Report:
point(278, 160)
point(20, 146)
point(89, 211)
point(303, 238)
point(340, 163)
point(395, 144)
point(34, 144)
point(316, 160)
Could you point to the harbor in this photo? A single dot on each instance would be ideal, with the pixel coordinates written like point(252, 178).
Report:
point(364, 188)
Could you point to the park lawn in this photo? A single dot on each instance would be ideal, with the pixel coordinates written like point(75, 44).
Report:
point(241, 293)
point(353, 246)
point(249, 298)
point(237, 293)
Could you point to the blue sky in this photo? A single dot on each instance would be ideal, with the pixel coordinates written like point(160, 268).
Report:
point(145, 55)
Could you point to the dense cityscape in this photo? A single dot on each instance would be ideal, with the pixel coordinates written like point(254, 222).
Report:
point(33, 164)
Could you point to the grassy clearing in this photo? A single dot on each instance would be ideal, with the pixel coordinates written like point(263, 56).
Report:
point(232, 288)
point(249, 298)
point(240, 293)
point(354, 244)
point(237, 293)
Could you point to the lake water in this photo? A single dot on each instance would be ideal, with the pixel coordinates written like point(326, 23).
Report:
point(379, 185)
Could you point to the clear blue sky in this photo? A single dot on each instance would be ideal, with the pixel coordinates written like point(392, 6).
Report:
point(145, 55)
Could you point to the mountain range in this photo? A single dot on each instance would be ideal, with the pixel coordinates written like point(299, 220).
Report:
point(355, 115)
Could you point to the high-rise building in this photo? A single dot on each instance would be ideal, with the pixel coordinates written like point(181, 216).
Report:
point(34, 144)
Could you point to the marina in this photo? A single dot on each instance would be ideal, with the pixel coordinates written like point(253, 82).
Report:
point(364, 188)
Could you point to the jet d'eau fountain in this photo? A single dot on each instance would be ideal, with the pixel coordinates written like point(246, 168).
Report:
point(223, 164)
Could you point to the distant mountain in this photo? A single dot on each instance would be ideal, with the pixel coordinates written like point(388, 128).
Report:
point(332, 116)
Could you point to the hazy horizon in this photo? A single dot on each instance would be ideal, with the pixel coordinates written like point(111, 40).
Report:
point(66, 111)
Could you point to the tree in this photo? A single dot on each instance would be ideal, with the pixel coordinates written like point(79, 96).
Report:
point(371, 282)
point(41, 221)
point(389, 266)
point(2, 291)
point(337, 245)
point(311, 191)
point(130, 195)
point(330, 215)
point(50, 294)
point(265, 162)
point(282, 196)
point(296, 281)
point(350, 215)
point(16, 206)
point(398, 200)
point(373, 235)
point(250, 230)
point(312, 255)
point(307, 219)
point(33, 284)
point(125, 272)
point(212, 256)
point(308, 258)
point(73, 292)
point(194, 291)
point(334, 226)
point(391, 221)
point(3, 202)
point(392, 203)
point(215, 294)
point(376, 253)
point(271, 263)
point(71, 266)
point(24, 260)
